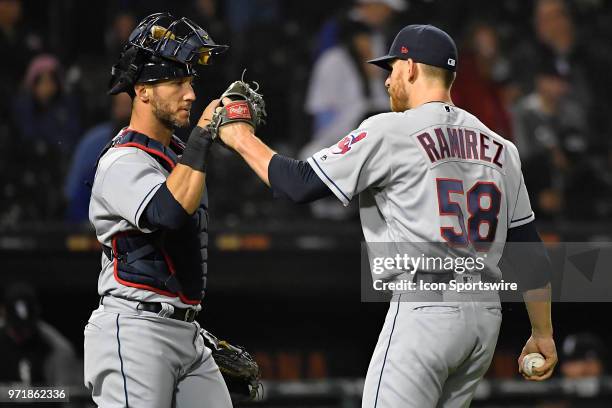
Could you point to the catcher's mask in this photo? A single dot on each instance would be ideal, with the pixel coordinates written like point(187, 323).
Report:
point(162, 47)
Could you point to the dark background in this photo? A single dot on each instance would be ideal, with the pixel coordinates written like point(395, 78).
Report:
point(289, 304)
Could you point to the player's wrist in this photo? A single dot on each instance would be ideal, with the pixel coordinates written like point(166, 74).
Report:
point(238, 139)
point(198, 146)
point(541, 332)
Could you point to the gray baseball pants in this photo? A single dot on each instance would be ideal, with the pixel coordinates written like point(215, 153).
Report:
point(431, 354)
point(137, 359)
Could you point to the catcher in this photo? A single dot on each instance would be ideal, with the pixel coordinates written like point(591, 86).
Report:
point(143, 346)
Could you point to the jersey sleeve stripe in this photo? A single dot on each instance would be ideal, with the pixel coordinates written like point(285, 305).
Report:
point(329, 182)
point(522, 221)
point(144, 202)
point(524, 218)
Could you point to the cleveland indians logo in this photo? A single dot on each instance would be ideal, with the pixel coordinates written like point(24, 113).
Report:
point(346, 143)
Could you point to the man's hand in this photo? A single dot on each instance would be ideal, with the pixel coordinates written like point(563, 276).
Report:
point(231, 133)
point(544, 345)
point(541, 341)
point(241, 105)
point(208, 113)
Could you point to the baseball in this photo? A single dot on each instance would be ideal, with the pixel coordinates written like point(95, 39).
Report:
point(531, 361)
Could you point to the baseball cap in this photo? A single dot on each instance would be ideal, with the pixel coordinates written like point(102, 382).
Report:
point(423, 43)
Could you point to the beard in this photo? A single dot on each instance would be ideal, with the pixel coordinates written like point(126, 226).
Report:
point(398, 99)
point(171, 120)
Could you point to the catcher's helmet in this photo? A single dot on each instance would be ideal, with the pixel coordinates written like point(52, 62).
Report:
point(162, 47)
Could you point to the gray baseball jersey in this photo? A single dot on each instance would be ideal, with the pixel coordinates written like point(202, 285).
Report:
point(126, 180)
point(123, 343)
point(431, 174)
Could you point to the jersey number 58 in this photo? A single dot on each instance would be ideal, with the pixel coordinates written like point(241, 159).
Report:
point(478, 213)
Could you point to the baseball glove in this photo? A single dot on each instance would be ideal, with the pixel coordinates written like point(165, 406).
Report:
point(239, 369)
point(247, 106)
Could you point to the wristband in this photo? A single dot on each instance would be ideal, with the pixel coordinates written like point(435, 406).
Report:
point(196, 151)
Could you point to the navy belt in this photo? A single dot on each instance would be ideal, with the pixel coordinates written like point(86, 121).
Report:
point(433, 277)
point(444, 277)
point(184, 315)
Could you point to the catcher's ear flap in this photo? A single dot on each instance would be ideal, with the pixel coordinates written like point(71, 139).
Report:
point(118, 82)
point(125, 73)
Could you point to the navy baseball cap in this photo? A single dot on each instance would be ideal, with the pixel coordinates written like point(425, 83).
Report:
point(423, 43)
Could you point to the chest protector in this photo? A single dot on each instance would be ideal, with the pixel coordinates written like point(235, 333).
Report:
point(171, 263)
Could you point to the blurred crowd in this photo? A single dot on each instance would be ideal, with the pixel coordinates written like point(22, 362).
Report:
point(533, 71)
point(31, 350)
point(536, 72)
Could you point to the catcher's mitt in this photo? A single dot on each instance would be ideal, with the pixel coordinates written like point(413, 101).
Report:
point(247, 106)
point(239, 369)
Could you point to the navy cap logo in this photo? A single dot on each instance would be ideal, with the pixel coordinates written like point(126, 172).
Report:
point(451, 62)
point(404, 50)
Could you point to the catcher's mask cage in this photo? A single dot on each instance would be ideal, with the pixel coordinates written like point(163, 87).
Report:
point(162, 47)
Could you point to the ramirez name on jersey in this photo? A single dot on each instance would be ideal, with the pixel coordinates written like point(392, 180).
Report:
point(458, 143)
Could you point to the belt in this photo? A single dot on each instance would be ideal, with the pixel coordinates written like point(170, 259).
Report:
point(185, 315)
point(433, 277)
point(444, 277)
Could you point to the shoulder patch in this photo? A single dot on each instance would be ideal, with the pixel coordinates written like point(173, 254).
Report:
point(347, 142)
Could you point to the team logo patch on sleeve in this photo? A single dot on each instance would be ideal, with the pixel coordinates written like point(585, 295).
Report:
point(347, 142)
